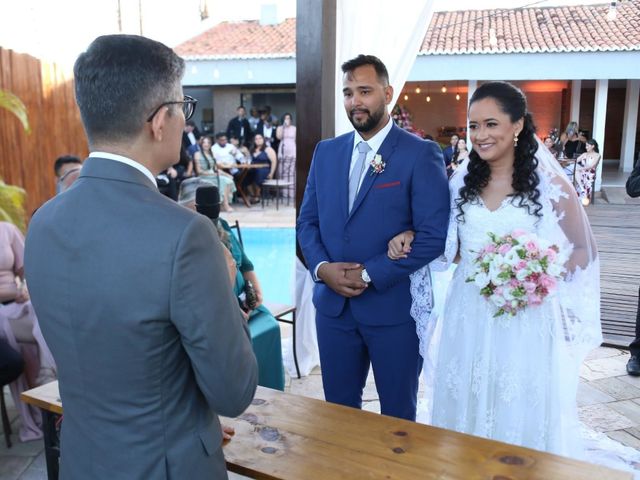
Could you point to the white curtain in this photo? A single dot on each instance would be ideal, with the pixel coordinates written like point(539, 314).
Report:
point(392, 31)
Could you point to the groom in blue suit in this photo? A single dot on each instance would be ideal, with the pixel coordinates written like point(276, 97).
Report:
point(364, 188)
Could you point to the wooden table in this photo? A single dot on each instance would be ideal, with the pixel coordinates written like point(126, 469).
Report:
point(289, 437)
point(244, 171)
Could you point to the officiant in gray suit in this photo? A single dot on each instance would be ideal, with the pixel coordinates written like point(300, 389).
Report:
point(131, 289)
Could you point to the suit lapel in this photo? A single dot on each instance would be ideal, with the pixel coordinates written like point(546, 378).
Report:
point(344, 154)
point(385, 151)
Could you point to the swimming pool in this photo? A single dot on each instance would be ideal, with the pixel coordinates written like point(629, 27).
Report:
point(272, 252)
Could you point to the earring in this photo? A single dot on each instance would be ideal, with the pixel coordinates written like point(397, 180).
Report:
point(515, 139)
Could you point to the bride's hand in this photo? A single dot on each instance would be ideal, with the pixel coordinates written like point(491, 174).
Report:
point(400, 245)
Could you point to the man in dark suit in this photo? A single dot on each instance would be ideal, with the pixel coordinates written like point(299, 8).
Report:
point(190, 136)
point(132, 290)
point(633, 365)
point(364, 188)
point(448, 152)
point(239, 127)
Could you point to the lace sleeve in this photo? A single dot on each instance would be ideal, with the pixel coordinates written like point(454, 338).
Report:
point(565, 224)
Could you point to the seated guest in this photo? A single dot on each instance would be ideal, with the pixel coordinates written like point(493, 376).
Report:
point(572, 142)
point(246, 156)
point(548, 142)
point(264, 328)
point(226, 154)
point(207, 168)
point(19, 328)
point(11, 363)
point(67, 169)
point(263, 154)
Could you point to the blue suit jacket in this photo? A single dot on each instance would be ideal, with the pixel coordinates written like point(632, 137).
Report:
point(410, 194)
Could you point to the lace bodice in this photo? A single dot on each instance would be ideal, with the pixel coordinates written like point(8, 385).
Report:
point(479, 220)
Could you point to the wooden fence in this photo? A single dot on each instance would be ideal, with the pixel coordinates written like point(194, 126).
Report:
point(26, 160)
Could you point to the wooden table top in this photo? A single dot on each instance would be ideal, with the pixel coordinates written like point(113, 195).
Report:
point(46, 397)
point(289, 437)
point(246, 166)
point(283, 436)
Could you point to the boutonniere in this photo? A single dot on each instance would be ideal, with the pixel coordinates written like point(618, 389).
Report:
point(377, 164)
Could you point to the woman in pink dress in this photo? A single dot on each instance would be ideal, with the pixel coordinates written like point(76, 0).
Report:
point(19, 327)
point(286, 133)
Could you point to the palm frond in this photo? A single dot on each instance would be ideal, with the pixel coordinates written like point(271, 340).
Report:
point(10, 102)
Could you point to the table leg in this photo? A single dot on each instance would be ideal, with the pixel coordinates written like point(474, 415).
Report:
point(239, 181)
point(51, 443)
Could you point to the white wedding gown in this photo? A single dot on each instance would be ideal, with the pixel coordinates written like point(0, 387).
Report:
point(496, 377)
point(513, 379)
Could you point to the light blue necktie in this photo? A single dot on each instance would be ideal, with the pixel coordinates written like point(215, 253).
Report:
point(356, 173)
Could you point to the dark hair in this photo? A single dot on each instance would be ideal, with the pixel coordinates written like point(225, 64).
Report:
point(593, 142)
point(220, 135)
point(361, 60)
point(253, 143)
point(282, 118)
point(64, 160)
point(190, 123)
point(241, 107)
point(525, 179)
point(119, 80)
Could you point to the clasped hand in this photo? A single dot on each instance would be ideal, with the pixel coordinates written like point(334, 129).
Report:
point(400, 245)
point(344, 278)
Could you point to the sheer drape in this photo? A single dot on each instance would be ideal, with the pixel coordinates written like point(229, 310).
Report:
point(392, 31)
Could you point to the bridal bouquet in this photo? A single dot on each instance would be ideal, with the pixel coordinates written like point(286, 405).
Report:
point(517, 270)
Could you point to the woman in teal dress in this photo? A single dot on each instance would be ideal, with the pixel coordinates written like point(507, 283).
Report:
point(264, 328)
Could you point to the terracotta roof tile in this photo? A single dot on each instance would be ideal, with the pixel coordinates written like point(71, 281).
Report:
point(579, 28)
point(246, 39)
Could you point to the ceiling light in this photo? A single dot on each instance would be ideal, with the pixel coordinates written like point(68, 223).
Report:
point(406, 97)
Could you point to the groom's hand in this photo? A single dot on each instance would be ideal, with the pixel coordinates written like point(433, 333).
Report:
point(340, 277)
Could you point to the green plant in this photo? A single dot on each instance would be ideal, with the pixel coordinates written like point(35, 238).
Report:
point(12, 103)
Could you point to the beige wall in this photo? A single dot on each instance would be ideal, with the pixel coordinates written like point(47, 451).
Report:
point(225, 102)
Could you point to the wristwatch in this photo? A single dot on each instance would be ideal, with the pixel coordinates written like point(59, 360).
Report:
point(365, 276)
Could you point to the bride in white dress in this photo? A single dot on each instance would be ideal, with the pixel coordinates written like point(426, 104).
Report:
point(508, 378)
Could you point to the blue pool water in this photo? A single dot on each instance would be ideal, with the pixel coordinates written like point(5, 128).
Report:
point(272, 252)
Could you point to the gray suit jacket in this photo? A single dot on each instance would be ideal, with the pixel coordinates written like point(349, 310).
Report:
point(134, 300)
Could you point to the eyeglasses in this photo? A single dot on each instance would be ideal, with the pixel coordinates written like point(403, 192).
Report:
point(188, 107)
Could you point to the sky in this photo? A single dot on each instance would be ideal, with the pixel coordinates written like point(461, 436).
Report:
point(59, 30)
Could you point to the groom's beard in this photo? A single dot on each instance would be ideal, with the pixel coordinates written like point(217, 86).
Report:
point(371, 121)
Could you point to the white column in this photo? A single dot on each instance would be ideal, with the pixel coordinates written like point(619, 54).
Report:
point(576, 90)
point(599, 116)
point(629, 126)
point(473, 84)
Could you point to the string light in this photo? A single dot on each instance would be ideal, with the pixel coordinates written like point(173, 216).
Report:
point(444, 88)
point(428, 99)
point(406, 97)
point(418, 90)
point(457, 96)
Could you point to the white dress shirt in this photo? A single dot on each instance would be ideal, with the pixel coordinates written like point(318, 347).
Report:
point(132, 163)
point(375, 143)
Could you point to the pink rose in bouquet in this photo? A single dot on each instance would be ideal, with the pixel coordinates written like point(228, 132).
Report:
point(517, 270)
